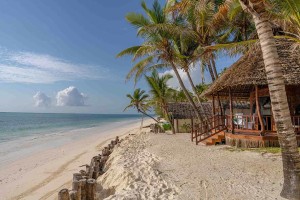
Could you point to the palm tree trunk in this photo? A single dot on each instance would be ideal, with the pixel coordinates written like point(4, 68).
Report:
point(280, 107)
point(213, 65)
point(188, 96)
point(142, 123)
point(139, 110)
point(211, 72)
point(169, 119)
point(197, 95)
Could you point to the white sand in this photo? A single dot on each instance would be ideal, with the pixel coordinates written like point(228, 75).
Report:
point(161, 166)
point(132, 174)
point(42, 174)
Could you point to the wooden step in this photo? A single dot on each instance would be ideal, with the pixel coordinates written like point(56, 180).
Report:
point(214, 139)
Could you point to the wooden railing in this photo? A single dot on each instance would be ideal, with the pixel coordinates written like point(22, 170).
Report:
point(248, 122)
point(208, 128)
point(296, 123)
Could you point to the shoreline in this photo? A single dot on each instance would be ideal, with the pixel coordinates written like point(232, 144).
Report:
point(10, 150)
point(42, 174)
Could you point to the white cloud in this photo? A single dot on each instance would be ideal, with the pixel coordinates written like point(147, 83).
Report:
point(41, 100)
point(70, 97)
point(195, 73)
point(28, 67)
point(173, 82)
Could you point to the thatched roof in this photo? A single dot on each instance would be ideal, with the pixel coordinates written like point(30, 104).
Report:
point(249, 71)
point(184, 110)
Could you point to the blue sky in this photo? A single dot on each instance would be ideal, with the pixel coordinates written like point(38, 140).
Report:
point(59, 55)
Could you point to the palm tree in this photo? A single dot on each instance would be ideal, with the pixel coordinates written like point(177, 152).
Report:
point(280, 107)
point(158, 45)
point(286, 14)
point(139, 101)
point(161, 93)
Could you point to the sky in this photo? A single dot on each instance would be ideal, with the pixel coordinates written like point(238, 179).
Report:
point(59, 56)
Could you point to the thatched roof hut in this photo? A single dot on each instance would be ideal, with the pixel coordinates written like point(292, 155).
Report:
point(184, 110)
point(249, 71)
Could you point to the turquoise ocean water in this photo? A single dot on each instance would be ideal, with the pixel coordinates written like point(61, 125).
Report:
point(23, 134)
point(17, 125)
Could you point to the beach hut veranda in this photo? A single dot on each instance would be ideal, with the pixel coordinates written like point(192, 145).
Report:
point(244, 117)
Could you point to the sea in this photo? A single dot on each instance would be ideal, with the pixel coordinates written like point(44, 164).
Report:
point(24, 133)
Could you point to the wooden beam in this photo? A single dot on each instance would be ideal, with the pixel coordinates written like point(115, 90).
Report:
point(262, 126)
point(213, 104)
point(231, 110)
point(220, 105)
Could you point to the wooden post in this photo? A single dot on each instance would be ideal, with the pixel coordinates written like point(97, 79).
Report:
point(63, 194)
point(177, 125)
point(214, 110)
point(77, 188)
point(262, 126)
point(251, 107)
point(231, 111)
point(83, 189)
point(220, 105)
point(213, 104)
point(91, 187)
point(77, 176)
point(73, 195)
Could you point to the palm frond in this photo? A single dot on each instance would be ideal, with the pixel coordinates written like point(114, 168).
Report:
point(129, 51)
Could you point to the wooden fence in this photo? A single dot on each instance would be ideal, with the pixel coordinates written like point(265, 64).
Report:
point(84, 182)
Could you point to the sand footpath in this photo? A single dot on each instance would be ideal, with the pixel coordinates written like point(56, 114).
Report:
point(161, 166)
point(42, 174)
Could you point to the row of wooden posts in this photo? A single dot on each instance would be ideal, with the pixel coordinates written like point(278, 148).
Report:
point(84, 182)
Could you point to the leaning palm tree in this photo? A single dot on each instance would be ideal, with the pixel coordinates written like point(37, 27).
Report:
point(161, 93)
point(280, 107)
point(158, 48)
point(139, 101)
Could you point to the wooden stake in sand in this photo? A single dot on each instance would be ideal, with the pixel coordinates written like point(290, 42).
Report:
point(91, 187)
point(63, 194)
point(83, 189)
point(84, 182)
point(76, 186)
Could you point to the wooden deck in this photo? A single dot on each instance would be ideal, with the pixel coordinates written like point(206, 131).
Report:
point(252, 140)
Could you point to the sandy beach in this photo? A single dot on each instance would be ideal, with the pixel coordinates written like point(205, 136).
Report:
point(43, 173)
point(162, 166)
point(147, 166)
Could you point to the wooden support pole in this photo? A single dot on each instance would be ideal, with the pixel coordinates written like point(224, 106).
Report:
point(73, 195)
point(231, 110)
point(262, 126)
point(77, 189)
point(63, 194)
point(214, 110)
point(83, 189)
point(91, 187)
point(213, 104)
point(77, 176)
point(220, 105)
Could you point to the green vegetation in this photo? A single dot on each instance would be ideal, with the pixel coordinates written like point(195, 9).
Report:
point(167, 127)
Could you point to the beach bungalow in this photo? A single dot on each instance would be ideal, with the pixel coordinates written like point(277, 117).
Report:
point(245, 84)
point(184, 117)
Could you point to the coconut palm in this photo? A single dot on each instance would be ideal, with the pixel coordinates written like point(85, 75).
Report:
point(158, 46)
point(160, 93)
point(280, 107)
point(139, 101)
point(286, 14)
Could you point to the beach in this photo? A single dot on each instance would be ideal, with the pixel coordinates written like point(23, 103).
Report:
point(146, 166)
point(164, 166)
point(41, 173)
